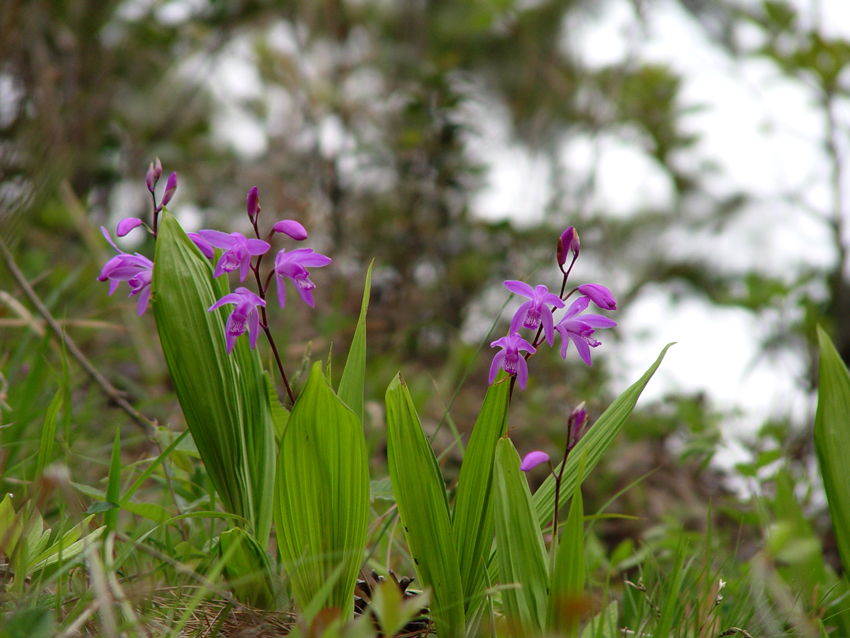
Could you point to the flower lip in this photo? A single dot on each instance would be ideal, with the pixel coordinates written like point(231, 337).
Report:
point(533, 459)
point(509, 358)
point(243, 317)
point(238, 251)
point(293, 265)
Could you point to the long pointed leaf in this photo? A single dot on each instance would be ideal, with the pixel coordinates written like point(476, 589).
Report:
point(473, 525)
point(321, 511)
point(423, 508)
point(354, 374)
point(522, 563)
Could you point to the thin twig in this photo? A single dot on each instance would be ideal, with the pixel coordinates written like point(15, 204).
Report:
point(107, 387)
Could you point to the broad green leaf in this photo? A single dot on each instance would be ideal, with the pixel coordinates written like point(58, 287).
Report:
point(113, 485)
point(10, 526)
point(832, 440)
point(321, 510)
point(424, 511)
point(522, 562)
point(223, 397)
point(151, 511)
point(472, 519)
point(594, 444)
point(66, 547)
point(48, 432)
point(354, 374)
point(566, 595)
point(393, 610)
point(247, 569)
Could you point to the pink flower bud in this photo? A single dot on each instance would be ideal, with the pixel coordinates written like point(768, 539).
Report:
point(568, 242)
point(170, 187)
point(149, 178)
point(127, 224)
point(599, 295)
point(292, 228)
point(253, 205)
point(533, 459)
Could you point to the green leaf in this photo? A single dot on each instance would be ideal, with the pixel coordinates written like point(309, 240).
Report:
point(354, 374)
point(605, 624)
point(523, 567)
point(224, 397)
point(29, 623)
point(566, 598)
point(832, 440)
point(48, 432)
point(321, 511)
point(472, 523)
point(151, 511)
point(99, 507)
point(424, 511)
point(10, 526)
point(381, 489)
point(247, 568)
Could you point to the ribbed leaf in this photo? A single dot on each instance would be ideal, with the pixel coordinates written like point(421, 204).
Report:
point(567, 591)
point(354, 374)
point(522, 564)
point(472, 519)
point(247, 568)
point(223, 397)
point(832, 440)
point(423, 508)
point(321, 511)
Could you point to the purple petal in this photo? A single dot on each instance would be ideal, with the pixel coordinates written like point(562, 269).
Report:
point(257, 246)
point(519, 316)
point(598, 321)
point(230, 340)
point(494, 367)
point(219, 239)
point(126, 225)
point(579, 305)
point(144, 296)
point(522, 374)
point(229, 298)
point(548, 326)
point(281, 289)
point(520, 288)
point(306, 295)
point(244, 266)
point(533, 459)
point(292, 228)
point(253, 328)
point(203, 245)
point(583, 350)
point(109, 239)
point(170, 187)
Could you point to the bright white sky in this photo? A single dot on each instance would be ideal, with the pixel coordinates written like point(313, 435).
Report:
point(755, 126)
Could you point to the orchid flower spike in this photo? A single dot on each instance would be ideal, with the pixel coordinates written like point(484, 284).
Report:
point(510, 359)
point(136, 270)
point(238, 251)
point(293, 265)
point(580, 329)
point(533, 459)
point(244, 316)
point(536, 309)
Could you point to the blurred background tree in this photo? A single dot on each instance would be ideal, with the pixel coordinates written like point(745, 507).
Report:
point(389, 128)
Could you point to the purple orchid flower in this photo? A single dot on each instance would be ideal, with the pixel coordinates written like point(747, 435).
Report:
point(244, 316)
point(136, 270)
point(238, 253)
point(599, 295)
point(532, 460)
point(294, 266)
point(536, 309)
point(509, 358)
point(581, 329)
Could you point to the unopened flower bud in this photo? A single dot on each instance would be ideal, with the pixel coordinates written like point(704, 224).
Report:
point(292, 228)
point(127, 224)
point(253, 205)
point(568, 242)
point(533, 459)
point(149, 178)
point(599, 295)
point(576, 421)
point(170, 187)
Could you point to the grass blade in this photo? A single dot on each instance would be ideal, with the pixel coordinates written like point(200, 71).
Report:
point(48, 432)
point(113, 484)
point(424, 511)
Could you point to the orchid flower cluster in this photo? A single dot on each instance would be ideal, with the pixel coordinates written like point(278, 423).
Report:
point(239, 253)
point(538, 314)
